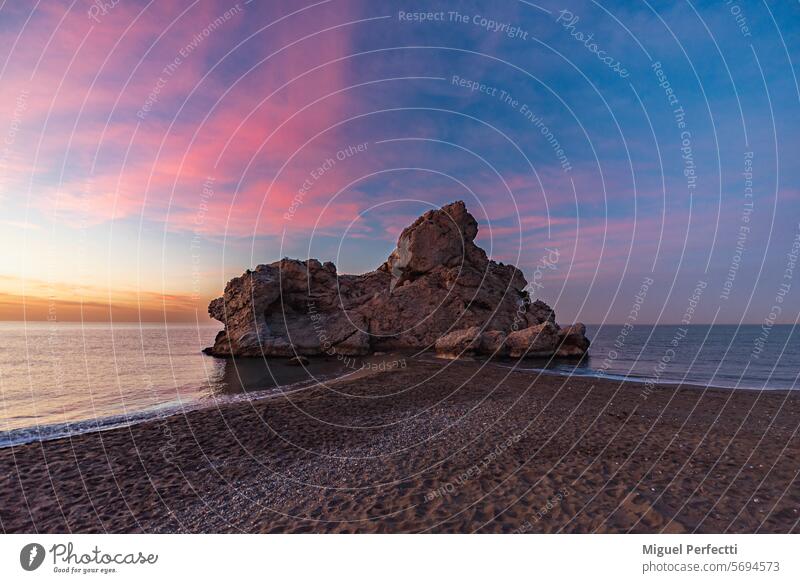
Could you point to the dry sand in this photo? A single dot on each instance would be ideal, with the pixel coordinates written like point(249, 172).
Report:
point(434, 447)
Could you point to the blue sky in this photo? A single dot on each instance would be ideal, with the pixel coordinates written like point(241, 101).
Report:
point(551, 120)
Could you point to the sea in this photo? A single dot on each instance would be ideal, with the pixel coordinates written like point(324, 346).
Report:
point(63, 379)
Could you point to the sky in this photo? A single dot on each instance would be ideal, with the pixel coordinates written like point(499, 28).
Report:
point(637, 160)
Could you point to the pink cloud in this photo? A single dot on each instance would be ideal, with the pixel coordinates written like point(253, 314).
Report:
point(93, 78)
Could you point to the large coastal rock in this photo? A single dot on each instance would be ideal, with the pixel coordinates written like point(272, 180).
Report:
point(436, 290)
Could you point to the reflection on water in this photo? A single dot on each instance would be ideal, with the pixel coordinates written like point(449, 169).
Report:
point(56, 379)
point(256, 374)
point(722, 356)
point(64, 378)
point(65, 372)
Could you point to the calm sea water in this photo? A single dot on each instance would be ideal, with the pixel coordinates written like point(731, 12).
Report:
point(726, 356)
point(68, 378)
point(63, 379)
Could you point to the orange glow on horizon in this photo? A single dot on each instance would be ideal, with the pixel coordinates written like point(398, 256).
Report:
point(65, 303)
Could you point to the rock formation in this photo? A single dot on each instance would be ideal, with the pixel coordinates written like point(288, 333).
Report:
point(436, 290)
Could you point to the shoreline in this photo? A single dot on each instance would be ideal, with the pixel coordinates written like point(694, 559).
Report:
point(370, 454)
point(66, 430)
point(663, 381)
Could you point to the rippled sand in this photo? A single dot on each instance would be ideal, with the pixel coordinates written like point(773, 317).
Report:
point(435, 447)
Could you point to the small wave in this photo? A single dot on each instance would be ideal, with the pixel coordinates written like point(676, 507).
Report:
point(641, 379)
point(49, 432)
point(69, 429)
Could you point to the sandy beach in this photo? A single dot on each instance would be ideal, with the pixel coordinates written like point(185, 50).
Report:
point(438, 446)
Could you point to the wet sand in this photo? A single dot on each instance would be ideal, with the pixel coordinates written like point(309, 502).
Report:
point(433, 447)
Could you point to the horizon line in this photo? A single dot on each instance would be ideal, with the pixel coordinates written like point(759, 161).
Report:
point(212, 321)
